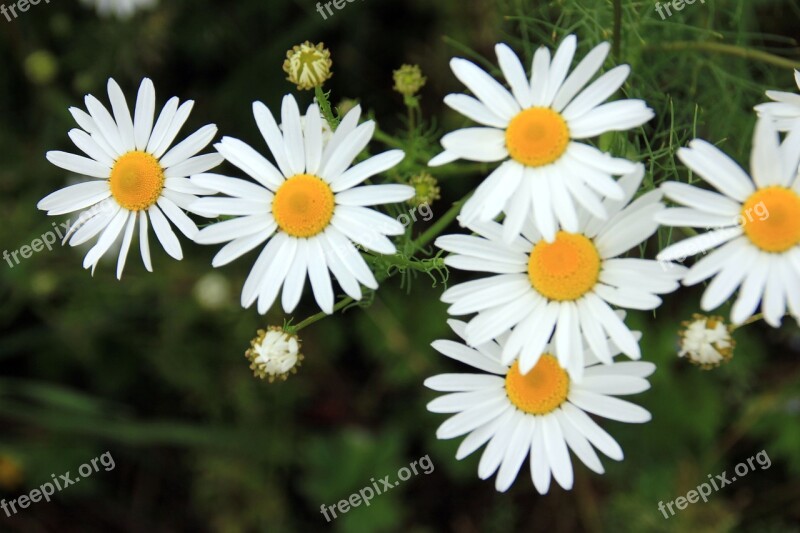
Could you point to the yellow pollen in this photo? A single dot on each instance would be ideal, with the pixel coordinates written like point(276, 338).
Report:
point(303, 206)
point(537, 136)
point(564, 269)
point(771, 219)
point(541, 390)
point(136, 180)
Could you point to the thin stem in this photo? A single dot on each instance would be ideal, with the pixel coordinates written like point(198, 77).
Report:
point(617, 28)
point(729, 49)
point(325, 107)
point(319, 316)
point(440, 225)
point(422, 265)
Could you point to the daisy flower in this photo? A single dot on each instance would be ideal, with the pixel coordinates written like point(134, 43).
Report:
point(541, 414)
point(135, 175)
point(535, 130)
point(784, 108)
point(122, 9)
point(310, 209)
point(754, 225)
point(562, 289)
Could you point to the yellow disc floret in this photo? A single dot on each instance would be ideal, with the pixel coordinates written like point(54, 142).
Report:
point(541, 390)
point(303, 206)
point(771, 219)
point(566, 268)
point(537, 136)
point(136, 181)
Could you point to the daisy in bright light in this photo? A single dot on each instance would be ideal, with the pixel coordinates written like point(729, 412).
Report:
point(535, 131)
point(566, 286)
point(312, 208)
point(754, 225)
point(541, 414)
point(784, 108)
point(121, 9)
point(135, 175)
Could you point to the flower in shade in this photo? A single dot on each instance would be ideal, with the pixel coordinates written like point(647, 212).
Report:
point(784, 108)
point(426, 189)
point(408, 80)
point(753, 223)
point(134, 175)
point(706, 341)
point(121, 9)
point(541, 415)
point(308, 65)
point(535, 130)
point(274, 354)
point(311, 208)
point(562, 289)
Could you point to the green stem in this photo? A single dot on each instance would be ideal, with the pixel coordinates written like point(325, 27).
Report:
point(319, 316)
point(440, 225)
point(325, 107)
point(421, 265)
point(617, 28)
point(729, 49)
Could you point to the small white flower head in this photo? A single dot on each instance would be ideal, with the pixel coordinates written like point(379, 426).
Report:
point(274, 354)
point(706, 341)
point(122, 9)
point(213, 291)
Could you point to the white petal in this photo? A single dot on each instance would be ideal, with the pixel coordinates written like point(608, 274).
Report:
point(79, 164)
point(144, 113)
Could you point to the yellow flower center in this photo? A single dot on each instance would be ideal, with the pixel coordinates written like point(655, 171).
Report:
point(136, 180)
point(541, 390)
point(303, 205)
point(771, 219)
point(564, 269)
point(537, 136)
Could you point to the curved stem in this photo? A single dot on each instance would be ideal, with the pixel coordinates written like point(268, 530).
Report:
point(729, 49)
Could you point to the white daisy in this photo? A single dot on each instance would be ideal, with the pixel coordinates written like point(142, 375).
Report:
point(784, 108)
point(121, 9)
point(274, 354)
point(707, 341)
point(754, 223)
point(565, 286)
point(137, 176)
point(541, 414)
point(310, 207)
point(534, 130)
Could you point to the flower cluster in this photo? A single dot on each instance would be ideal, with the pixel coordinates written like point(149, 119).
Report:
point(556, 232)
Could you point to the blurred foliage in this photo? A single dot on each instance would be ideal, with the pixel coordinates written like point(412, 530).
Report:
point(152, 368)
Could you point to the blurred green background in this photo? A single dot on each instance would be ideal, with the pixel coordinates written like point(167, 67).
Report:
point(152, 368)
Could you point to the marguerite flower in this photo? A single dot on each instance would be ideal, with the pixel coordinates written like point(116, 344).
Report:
point(121, 9)
point(754, 223)
point(310, 208)
point(274, 354)
point(541, 414)
point(564, 286)
point(706, 341)
point(784, 108)
point(138, 177)
point(535, 130)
